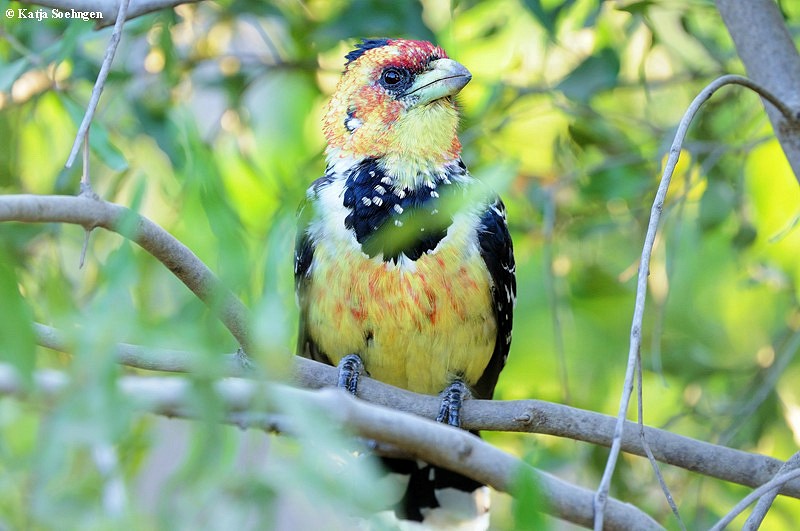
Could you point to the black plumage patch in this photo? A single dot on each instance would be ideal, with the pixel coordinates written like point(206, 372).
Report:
point(391, 221)
point(497, 252)
point(303, 248)
point(362, 47)
point(423, 482)
point(351, 123)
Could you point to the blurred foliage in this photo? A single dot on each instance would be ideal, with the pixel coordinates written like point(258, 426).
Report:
point(210, 125)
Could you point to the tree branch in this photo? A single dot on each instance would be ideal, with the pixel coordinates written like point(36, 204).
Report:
point(762, 507)
point(109, 8)
point(768, 52)
point(522, 416)
point(763, 490)
point(433, 442)
point(140, 357)
point(531, 416)
point(184, 264)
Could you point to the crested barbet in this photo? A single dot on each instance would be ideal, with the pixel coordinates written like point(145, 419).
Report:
point(404, 267)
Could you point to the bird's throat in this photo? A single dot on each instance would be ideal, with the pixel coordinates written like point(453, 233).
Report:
point(412, 148)
point(421, 143)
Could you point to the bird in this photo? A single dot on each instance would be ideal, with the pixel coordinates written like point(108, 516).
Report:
point(404, 265)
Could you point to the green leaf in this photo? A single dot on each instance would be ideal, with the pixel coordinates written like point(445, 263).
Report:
point(637, 8)
point(64, 48)
point(596, 73)
point(361, 18)
point(548, 18)
point(99, 141)
point(17, 345)
point(716, 205)
point(106, 151)
point(527, 507)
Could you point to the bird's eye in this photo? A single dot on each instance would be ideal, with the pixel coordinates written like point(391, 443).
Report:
point(393, 77)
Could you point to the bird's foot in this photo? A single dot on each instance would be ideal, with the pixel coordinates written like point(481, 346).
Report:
point(350, 368)
point(452, 398)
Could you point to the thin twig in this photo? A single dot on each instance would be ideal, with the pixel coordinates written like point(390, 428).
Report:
point(85, 247)
point(776, 102)
point(86, 180)
point(762, 507)
point(644, 268)
point(649, 452)
point(775, 483)
point(86, 190)
point(116, 35)
point(148, 358)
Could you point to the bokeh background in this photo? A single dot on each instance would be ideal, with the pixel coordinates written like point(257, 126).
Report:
point(210, 126)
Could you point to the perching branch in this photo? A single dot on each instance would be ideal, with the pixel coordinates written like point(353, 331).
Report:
point(184, 264)
point(110, 8)
point(431, 441)
point(532, 416)
point(644, 271)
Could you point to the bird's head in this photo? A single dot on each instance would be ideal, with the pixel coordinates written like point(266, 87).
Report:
point(394, 103)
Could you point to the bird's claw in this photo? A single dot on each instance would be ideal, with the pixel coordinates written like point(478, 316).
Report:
point(452, 399)
point(350, 368)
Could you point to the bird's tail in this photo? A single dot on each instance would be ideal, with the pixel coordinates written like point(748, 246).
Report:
point(437, 498)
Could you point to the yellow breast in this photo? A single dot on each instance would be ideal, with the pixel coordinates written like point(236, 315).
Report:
point(417, 324)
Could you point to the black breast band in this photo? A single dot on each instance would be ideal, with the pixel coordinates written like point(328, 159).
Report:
point(390, 221)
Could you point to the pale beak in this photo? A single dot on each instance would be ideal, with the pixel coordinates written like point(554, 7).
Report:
point(444, 77)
